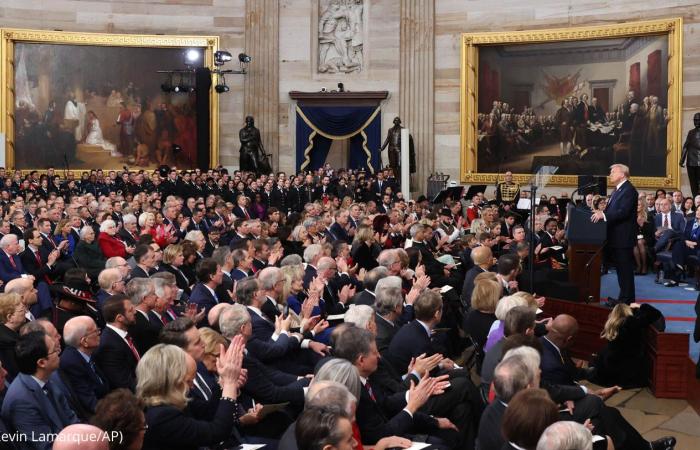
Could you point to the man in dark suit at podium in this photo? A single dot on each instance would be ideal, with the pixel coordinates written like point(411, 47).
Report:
point(621, 218)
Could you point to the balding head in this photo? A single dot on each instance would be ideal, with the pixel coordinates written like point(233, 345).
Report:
point(482, 256)
point(214, 313)
point(19, 286)
point(85, 437)
point(562, 330)
point(76, 328)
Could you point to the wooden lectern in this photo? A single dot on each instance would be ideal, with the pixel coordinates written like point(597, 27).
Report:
point(586, 242)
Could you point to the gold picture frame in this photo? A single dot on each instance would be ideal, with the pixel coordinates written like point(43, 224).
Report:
point(473, 43)
point(10, 37)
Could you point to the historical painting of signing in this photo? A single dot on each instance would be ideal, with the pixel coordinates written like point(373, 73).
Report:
point(100, 106)
point(579, 99)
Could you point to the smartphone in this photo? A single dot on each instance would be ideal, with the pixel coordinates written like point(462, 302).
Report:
point(285, 313)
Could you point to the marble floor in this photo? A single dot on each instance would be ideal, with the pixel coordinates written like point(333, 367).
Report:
point(654, 417)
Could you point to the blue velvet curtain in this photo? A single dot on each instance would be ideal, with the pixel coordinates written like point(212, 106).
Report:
point(318, 126)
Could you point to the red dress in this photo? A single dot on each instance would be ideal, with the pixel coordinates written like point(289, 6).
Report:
point(111, 246)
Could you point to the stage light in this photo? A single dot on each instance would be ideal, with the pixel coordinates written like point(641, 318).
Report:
point(221, 57)
point(243, 58)
point(221, 88)
point(191, 56)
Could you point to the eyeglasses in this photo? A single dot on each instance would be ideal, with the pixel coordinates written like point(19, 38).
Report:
point(95, 331)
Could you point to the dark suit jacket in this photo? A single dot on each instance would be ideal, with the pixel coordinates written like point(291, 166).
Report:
point(116, 360)
point(410, 341)
point(557, 368)
point(364, 298)
point(223, 289)
point(8, 340)
point(238, 274)
point(270, 310)
point(339, 233)
point(262, 347)
point(385, 333)
point(138, 272)
point(677, 221)
point(129, 240)
point(621, 217)
point(7, 272)
point(490, 437)
point(468, 286)
point(88, 385)
point(309, 274)
point(172, 428)
point(180, 278)
point(240, 213)
point(319, 191)
point(31, 266)
point(27, 409)
point(144, 333)
point(203, 298)
point(268, 385)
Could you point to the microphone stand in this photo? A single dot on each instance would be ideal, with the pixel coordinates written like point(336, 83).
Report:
point(531, 256)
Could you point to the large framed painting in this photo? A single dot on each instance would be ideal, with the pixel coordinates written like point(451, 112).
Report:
point(88, 100)
point(580, 99)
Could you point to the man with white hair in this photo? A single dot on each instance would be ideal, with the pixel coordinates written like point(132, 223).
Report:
point(565, 435)
point(265, 384)
point(10, 262)
point(368, 296)
point(129, 232)
point(337, 291)
point(271, 283)
point(82, 337)
point(312, 254)
point(143, 296)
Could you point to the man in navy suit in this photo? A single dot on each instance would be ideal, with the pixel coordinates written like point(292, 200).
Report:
point(204, 293)
point(670, 226)
point(77, 366)
point(621, 218)
point(34, 405)
point(10, 261)
point(415, 338)
point(117, 355)
point(338, 231)
point(242, 262)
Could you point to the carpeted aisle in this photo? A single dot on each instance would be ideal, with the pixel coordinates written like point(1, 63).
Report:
point(677, 303)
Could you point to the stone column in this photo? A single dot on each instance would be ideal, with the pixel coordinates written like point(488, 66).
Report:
point(416, 90)
point(261, 90)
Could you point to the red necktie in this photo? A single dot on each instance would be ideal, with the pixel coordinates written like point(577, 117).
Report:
point(162, 319)
point(12, 262)
point(130, 343)
point(371, 393)
point(245, 211)
point(38, 261)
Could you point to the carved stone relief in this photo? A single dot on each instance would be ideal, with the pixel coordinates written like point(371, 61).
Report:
point(341, 35)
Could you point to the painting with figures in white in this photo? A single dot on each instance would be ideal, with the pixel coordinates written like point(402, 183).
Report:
point(341, 30)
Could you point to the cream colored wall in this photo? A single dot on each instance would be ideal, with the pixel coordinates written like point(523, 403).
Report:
point(453, 17)
point(224, 18)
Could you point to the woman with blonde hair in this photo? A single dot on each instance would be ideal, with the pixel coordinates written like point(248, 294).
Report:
point(164, 376)
point(364, 250)
point(622, 362)
point(645, 234)
point(485, 296)
point(12, 312)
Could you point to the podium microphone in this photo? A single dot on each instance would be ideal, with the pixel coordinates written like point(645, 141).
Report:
point(583, 188)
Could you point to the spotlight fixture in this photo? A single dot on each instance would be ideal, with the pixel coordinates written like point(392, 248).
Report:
point(191, 56)
point(221, 88)
point(243, 58)
point(221, 57)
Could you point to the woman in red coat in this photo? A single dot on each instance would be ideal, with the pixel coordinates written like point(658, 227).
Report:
point(109, 243)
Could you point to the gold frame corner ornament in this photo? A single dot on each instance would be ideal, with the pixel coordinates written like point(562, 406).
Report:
point(9, 36)
point(469, 70)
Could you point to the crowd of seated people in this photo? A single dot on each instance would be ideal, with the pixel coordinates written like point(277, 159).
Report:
point(179, 312)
